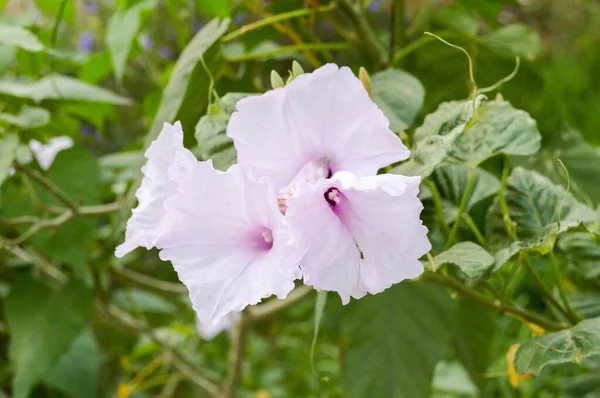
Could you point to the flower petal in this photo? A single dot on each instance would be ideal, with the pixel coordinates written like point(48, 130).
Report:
point(208, 331)
point(326, 114)
point(227, 241)
point(147, 223)
point(46, 153)
point(365, 240)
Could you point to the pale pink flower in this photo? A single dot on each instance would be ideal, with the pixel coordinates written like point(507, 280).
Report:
point(320, 123)
point(358, 235)
point(227, 239)
point(147, 222)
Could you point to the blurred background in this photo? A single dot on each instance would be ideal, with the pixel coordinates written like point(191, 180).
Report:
point(106, 74)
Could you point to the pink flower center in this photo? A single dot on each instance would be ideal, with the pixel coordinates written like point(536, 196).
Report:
point(310, 173)
point(333, 196)
point(262, 240)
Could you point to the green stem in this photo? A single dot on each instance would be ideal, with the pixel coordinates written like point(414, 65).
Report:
point(372, 45)
point(276, 18)
point(237, 346)
point(291, 49)
point(437, 204)
point(545, 291)
point(397, 31)
point(469, 220)
point(49, 186)
point(490, 302)
point(61, 11)
point(508, 223)
point(572, 315)
point(461, 208)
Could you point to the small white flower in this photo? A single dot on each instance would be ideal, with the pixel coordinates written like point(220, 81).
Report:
point(46, 153)
point(323, 121)
point(358, 235)
point(227, 239)
point(147, 221)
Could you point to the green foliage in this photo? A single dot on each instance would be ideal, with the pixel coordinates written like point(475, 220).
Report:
point(571, 345)
point(399, 95)
point(123, 27)
point(59, 87)
point(40, 332)
point(472, 260)
point(211, 130)
point(514, 237)
point(394, 348)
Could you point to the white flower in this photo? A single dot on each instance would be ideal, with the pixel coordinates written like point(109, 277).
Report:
point(147, 222)
point(320, 123)
point(358, 235)
point(227, 239)
point(46, 153)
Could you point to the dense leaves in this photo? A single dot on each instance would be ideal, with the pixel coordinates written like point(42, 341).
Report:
point(389, 366)
point(40, 332)
point(571, 345)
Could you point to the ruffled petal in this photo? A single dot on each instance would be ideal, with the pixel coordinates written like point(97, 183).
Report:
point(327, 115)
point(358, 235)
point(208, 331)
point(147, 222)
point(227, 240)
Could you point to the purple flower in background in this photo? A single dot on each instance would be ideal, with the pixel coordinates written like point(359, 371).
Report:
point(91, 7)
point(197, 27)
point(374, 6)
point(165, 52)
point(146, 42)
point(239, 18)
point(86, 130)
point(86, 42)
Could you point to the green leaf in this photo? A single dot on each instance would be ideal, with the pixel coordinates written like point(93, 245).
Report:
point(394, 339)
point(399, 95)
point(76, 373)
point(451, 181)
point(451, 380)
point(29, 117)
point(434, 139)
point(123, 27)
point(141, 300)
point(76, 172)
point(211, 130)
point(19, 37)
point(500, 129)
point(8, 151)
point(59, 87)
point(570, 345)
point(586, 304)
point(473, 262)
point(473, 340)
point(214, 8)
point(514, 40)
point(43, 324)
point(185, 97)
point(582, 252)
point(534, 204)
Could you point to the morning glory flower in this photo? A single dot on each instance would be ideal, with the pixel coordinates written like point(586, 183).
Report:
point(320, 123)
point(227, 239)
point(358, 235)
point(147, 222)
point(46, 153)
point(86, 42)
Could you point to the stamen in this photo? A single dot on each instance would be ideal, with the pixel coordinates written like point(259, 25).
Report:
point(268, 236)
point(333, 196)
